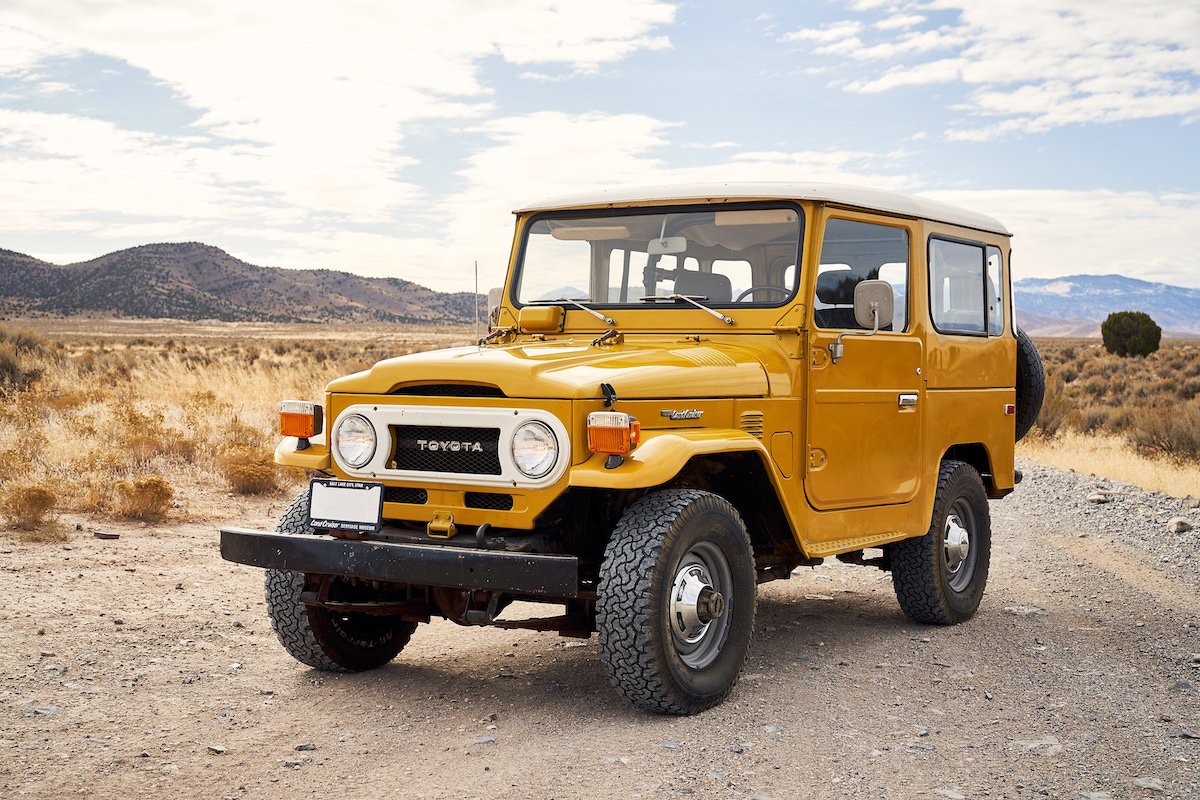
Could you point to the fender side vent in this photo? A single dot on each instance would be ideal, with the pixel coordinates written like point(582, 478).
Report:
point(490, 501)
point(752, 423)
point(405, 494)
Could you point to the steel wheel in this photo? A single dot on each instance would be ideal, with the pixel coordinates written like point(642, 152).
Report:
point(956, 545)
point(699, 612)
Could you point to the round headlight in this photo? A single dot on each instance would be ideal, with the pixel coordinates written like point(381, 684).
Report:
point(355, 440)
point(534, 449)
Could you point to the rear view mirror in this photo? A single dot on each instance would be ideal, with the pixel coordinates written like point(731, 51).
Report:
point(667, 245)
point(874, 305)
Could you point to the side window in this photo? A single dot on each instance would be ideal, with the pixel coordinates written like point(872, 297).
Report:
point(995, 290)
point(853, 252)
point(956, 287)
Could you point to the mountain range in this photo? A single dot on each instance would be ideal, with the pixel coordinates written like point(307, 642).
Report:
point(196, 281)
point(1077, 304)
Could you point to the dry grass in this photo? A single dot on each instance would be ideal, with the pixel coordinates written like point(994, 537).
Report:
point(1115, 458)
point(132, 415)
point(1152, 402)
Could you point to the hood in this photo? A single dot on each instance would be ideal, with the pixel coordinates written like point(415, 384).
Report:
point(567, 370)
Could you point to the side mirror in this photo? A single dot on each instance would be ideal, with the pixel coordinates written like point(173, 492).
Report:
point(874, 305)
point(495, 297)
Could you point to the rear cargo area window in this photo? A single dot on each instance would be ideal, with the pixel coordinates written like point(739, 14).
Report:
point(957, 297)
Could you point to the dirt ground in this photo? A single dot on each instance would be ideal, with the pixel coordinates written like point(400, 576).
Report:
point(145, 667)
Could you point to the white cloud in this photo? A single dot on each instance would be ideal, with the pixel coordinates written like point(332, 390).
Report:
point(1059, 232)
point(1034, 65)
point(304, 111)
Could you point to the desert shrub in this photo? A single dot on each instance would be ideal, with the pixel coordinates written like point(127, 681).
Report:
point(27, 506)
point(22, 341)
point(1056, 405)
point(1167, 432)
point(1130, 333)
point(145, 498)
point(17, 374)
point(250, 470)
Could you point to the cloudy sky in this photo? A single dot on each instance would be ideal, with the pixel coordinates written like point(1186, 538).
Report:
point(394, 138)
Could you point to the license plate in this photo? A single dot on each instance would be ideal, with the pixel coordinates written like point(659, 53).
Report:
point(345, 505)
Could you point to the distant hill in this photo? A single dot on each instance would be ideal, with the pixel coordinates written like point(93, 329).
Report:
point(197, 281)
point(1076, 305)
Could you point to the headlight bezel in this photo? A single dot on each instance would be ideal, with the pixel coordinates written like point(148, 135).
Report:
point(554, 453)
point(339, 439)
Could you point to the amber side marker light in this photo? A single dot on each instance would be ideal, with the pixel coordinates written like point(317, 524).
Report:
point(613, 433)
point(301, 419)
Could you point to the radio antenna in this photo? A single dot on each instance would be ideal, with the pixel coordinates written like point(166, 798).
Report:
point(477, 337)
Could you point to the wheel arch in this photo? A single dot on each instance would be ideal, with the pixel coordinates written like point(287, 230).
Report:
point(707, 459)
point(978, 456)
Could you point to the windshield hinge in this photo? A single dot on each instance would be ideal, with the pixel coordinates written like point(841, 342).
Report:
point(610, 336)
point(499, 336)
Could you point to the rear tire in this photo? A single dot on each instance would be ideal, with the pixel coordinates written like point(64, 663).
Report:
point(939, 578)
point(675, 610)
point(334, 642)
point(1031, 383)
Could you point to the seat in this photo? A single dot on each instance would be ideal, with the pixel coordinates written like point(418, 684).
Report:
point(712, 285)
point(836, 288)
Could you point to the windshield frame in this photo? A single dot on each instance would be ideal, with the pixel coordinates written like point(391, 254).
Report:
point(651, 210)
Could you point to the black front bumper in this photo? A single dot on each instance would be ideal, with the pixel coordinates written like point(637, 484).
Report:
point(416, 564)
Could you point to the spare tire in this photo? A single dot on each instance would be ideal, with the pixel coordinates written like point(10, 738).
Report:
point(1031, 383)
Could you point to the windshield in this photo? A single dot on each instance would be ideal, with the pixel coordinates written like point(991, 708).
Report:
point(722, 255)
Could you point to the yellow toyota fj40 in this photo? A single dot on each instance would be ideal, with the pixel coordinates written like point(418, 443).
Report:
point(685, 392)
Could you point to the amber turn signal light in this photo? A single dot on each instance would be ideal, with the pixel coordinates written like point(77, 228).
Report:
point(300, 418)
point(612, 432)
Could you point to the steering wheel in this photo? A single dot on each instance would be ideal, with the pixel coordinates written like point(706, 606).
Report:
point(754, 289)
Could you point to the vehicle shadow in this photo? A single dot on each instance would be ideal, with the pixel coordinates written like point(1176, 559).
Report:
point(793, 635)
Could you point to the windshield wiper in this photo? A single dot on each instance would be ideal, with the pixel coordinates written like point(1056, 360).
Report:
point(690, 298)
point(607, 320)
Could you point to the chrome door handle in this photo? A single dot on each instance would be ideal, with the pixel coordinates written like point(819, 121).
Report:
point(907, 401)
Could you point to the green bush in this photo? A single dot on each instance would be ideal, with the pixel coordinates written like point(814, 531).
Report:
point(1130, 333)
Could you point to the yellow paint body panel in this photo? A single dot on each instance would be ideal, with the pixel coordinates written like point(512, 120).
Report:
point(851, 463)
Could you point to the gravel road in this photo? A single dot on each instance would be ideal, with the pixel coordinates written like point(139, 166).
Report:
point(145, 667)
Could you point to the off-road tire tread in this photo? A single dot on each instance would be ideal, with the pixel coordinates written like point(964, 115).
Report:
point(289, 615)
point(914, 578)
point(622, 620)
point(1031, 383)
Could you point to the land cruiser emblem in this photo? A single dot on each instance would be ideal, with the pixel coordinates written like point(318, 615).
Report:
point(453, 447)
point(691, 413)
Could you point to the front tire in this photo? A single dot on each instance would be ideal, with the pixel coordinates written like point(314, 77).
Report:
point(675, 610)
point(939, 578)
point(327, 640)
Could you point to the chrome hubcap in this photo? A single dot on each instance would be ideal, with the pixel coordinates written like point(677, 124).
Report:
point(957, 543)
point(694, 603)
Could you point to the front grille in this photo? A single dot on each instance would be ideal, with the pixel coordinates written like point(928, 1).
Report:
point(405, 494)
point(490, 501)
point(450, 390)
point(437, 448)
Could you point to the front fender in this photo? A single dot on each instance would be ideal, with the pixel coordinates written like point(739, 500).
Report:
point(660, 457)
point(315, 457)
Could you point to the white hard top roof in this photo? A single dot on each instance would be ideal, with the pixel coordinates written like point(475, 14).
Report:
point(835, 193)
